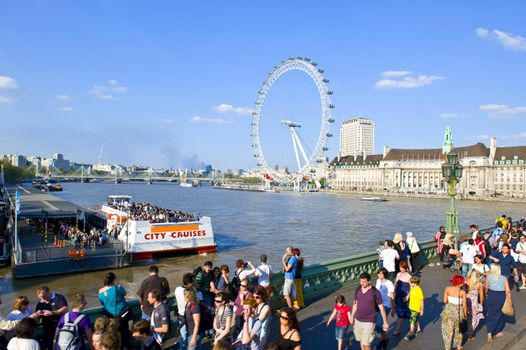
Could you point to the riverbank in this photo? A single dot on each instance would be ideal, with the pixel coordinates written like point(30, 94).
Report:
point(426, 196)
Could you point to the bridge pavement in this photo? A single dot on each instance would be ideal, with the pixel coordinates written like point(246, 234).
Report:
point(434, 278)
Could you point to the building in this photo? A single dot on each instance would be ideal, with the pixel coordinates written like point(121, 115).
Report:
point(357, 137)
point(56, 162)
point(494, 171)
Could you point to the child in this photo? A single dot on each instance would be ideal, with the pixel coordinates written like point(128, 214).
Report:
point(416, 306)
point(342, 312)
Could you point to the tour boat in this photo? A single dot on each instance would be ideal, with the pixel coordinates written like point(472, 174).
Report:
point(144, 239)
point(374, 199)
point(188, 184)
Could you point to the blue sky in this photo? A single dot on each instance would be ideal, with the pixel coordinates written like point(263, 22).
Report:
point(169, 83)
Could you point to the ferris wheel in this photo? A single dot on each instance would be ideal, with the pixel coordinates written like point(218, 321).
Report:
point(306, 161)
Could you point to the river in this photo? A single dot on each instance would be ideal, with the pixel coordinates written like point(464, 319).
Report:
point(246, 224)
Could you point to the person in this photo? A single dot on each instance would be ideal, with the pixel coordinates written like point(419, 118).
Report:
point(439, 238)
point(467, 253)
point(244, 293)
point(96, 338)
point(25, 336)
point(475, 300)
point(474, 231)
point(249, 338)
point(264, 273)
point(299, 302)
point(192, 317)
point(264, 313)
point(51, 307)
point(481, 269)
point(216, 279)
point(160, 318)
point(114, 305)
point(403, 251)
point(448, 244)
point(366, 301)
point(188, 283)
point(221, 279)
point(74, 316)
point(506, 262)
point(389, 256)
point(141, 331)
point(152, 282)
point(386, 289)
point(203, 280)
point(416, 306)
point(414, 250)
point(21, 309)
point(481, 244)
point(497, 290)
point(342, 313)
point(223, 318)
point(455, 310)
point(402, 287)
point(521, 261)
point(290, 265)
point(110, 342)
point(289, 330)
point(6, 325)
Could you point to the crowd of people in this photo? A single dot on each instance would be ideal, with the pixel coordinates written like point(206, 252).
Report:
point(232, 311)
point(148, 212)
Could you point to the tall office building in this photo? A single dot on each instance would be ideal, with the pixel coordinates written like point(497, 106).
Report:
point(357, 137)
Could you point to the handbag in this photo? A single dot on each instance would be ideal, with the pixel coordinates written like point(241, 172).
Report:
point(462, 322)
point(507, 308)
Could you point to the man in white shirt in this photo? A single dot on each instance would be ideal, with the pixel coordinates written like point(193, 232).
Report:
point(474, 230)
point(521, 264)
point(263, 272)
point(188, 283)
point(389, 256)
point(467, 253)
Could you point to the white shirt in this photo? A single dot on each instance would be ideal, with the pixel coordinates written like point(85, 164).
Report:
point(468, 253)
point(263, 274)
point(474, 234)
point(389, 257)
point(521, 249)
point(482, 268)
point(23, 344)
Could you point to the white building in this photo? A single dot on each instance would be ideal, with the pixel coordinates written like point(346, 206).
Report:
point(357, 137)
point(57, 162)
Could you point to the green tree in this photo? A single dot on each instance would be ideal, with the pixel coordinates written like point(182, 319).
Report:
point(15, 173)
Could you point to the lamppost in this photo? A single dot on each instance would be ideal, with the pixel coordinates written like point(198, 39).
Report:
point(452, 172)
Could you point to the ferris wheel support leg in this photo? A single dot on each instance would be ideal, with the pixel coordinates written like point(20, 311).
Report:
point(300, 146)
point(293, 134)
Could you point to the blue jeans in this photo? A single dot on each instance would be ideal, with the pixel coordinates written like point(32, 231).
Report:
point(145, 316)
point(197, 342)
point(465, 269)
point(182, 339)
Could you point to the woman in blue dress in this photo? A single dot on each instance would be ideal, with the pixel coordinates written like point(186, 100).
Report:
point(402, 288)
point(112, 299)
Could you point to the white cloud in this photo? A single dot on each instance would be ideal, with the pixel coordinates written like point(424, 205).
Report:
point(67, 109)
point(168, 120)
point(514, 137)
point(107, 92)
point(396, 73)
point(201, 120)
point(482, 32)
point(508, 40)
point(229, 109)
point(502, 111)
point(6, 99)
point(8, 83)
point(483, 137)
point(405, 81)
point(63, 97)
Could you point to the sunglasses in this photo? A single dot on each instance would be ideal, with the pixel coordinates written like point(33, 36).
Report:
point(218, 301)
point(244, 286)
point(284, 317)
point(257, 297)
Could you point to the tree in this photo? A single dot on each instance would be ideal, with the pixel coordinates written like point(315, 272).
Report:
point(15, 173)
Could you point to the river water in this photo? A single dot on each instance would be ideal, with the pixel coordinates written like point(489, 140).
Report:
point(247, 224)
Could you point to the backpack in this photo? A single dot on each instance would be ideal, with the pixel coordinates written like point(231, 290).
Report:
point(235, 285)
point(68, 337)
point(376, 295)
point(207, 317)
point(196, 271)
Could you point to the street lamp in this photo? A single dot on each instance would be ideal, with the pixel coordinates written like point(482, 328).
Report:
point(452, 172)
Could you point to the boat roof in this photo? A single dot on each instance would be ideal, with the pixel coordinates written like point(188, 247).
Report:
point(35, 204)
point(119, 196)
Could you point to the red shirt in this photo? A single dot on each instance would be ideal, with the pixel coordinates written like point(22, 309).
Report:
point(480, 245)
point(342, 320)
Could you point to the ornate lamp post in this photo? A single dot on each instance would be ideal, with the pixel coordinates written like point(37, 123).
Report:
point(452, 172)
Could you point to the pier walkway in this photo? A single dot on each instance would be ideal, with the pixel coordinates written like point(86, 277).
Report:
point(315, 334)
